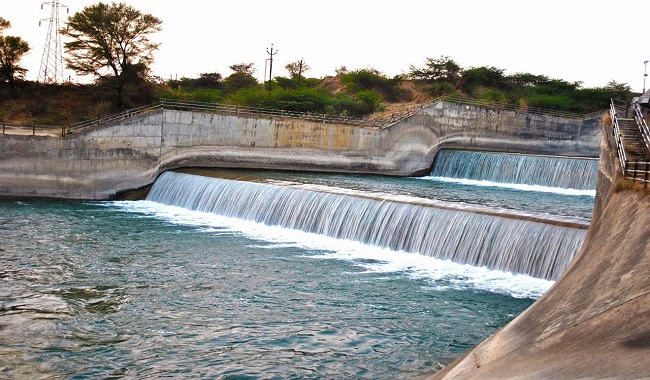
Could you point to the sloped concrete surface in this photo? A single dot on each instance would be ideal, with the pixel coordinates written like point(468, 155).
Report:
point(594, 323)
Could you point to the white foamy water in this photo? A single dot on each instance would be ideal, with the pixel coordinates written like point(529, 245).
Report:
point(442, 274)
point(514, 186)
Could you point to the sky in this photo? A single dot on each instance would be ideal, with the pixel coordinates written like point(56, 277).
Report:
point(593, 42)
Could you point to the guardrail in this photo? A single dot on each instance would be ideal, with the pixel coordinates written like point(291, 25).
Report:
point(257, 111)
point(269, 112)
point(110, 118)
point(512, 107)
point(635, 170)
point(33, 129)
point(620, 149)
point(643, 126)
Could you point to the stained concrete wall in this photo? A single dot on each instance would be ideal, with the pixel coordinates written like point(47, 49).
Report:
point(594, 323)
point(100, 163)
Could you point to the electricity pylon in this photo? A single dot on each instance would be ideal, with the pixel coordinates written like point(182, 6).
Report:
point(51, 70)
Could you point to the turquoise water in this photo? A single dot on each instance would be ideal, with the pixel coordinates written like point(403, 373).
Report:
point(111, 290)
point(143, 290)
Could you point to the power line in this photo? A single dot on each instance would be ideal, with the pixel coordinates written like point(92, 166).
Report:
point(51, 70)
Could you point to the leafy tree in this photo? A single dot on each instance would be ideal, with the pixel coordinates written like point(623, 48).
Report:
point(12, 49)
point(619, 90)
point(243, 68)
point(4, 24)
point(242, 77)
point(286, 83)
point(483, 76)
point(341, 70)
point(209, 80)
point(296, 69)
point(526, 79)
point(111, 42)
point(438, 69)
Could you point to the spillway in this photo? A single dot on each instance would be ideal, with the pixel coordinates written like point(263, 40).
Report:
point(559, 172)
point(516, 245)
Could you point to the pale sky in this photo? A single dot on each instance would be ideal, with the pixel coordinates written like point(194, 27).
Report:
point(574, 40)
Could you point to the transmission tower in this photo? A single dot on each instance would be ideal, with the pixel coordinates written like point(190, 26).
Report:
point(51, 70)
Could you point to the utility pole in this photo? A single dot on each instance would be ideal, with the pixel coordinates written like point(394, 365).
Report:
point(270, 59)
point(51, 70)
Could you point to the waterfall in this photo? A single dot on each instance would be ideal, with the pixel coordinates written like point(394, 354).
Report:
point(568, 173)
point(521, 246)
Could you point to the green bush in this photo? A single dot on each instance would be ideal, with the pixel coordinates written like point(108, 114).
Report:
point(495, 96)
point(555, 102)
point(441, 89)
point(370, 79)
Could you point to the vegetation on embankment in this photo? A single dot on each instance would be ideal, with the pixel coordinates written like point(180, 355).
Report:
point(358, 93)
point(112, 44)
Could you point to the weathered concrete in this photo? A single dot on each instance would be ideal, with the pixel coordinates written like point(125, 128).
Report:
point(101, 163)
point(595, 321)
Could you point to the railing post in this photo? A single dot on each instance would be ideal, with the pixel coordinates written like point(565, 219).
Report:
point(645, 175)
point(4, 126)
point(34, 130)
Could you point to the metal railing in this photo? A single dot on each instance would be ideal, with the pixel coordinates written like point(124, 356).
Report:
point(33, 129)
point(513, 107)
point(261, 112)
point(102, 120)
point(635, 170)
point(227, 109)
point(620, 149)
point(643, 125)
point(638, 171)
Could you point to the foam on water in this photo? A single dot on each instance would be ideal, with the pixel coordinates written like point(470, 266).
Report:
point(514, 186)
point(440, 273)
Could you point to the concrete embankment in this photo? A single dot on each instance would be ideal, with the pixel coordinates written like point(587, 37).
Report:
point(129, 154)
point(595, 321)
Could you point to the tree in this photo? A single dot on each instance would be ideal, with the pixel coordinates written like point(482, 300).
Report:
point(620, 90)
point(12, 49)
point(4, 24)
point(242, 77)
point(111, 42)
point(297, 68)
point(438, 69)
point(243, 68)
point(209, 80)
point(483, 76)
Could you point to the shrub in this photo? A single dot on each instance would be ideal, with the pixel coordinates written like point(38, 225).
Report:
point(441, 89)
point(556, 102)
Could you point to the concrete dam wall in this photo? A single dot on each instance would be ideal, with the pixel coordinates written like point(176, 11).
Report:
point(103, 162)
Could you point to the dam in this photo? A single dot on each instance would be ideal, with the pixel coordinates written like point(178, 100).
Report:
point(290, 273)
point(130, 150)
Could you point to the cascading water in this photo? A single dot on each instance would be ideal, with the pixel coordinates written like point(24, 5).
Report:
point(568, 173)
point(520, 246)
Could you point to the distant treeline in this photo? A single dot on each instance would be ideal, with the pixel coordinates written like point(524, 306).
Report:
point(361, 92)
